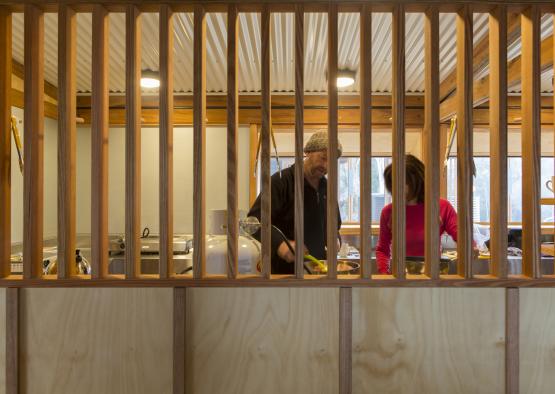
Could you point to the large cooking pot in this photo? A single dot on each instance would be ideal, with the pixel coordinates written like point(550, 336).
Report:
point(344, 267)
point(414, 265)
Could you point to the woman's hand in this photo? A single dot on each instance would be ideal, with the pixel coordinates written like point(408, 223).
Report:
point(285, 253)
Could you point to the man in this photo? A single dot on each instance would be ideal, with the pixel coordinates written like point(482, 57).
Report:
point(283, 206)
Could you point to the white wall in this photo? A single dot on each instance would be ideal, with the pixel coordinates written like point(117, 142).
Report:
point(216, 178)
point(50, 180)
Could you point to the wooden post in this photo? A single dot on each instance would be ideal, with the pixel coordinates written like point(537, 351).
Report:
point(199, 144)
point(398, 248)
point(99, 129)
point(512, 323)
point(464, 141)
point(531, 142)
point(67, 136)
point(266, 192)
point(299, 132)
point(332, 230)
point(12, 340)
point(5, 139)
point(345, 340)
point(33, 178)
point(133, 142)
point(431, 143)
point(179, 339)
point(365, 73)
point(498, 140)
point(232, 143)
point(166, 142)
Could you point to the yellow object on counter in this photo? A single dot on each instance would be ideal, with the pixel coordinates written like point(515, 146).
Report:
point(317, 262)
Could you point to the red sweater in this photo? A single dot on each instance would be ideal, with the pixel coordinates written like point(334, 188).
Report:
point(415, 231)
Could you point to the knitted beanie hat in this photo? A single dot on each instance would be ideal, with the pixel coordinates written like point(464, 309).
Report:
point(319, 142)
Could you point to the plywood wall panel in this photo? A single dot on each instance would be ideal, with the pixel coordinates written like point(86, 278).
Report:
point(96, 340)
point(262, 341)
point(537, 340)
point(428, 340)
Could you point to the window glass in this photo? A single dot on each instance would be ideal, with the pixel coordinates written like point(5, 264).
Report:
point(514, 178)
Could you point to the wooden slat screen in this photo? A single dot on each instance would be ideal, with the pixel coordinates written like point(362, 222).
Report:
point(529, 14)
point(299, 132)
point(33, 178)
point(431, 143)
point(498, 140)
point(265, 185)
point(232, 142)
point(530, 20)
point(199, 144)
point(464, 141)
point(99, 131)
point(166, 142)
point(133, 143)
point(333, 143)
point(365, 73)
point(67, 135)
point(398, 247)
point(5, 139)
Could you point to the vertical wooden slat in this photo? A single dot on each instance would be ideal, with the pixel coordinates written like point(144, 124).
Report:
point(266, 196)
point(12, 340)
point(299, 131)
point(431, 143)
point(67, 135)
point(132, 142)
point(531, 74)
point(5, 138)
point(345, 340)
point(33, 179)
point(232, 142)
point(464, 141)
point(179, 339)
point(512, 321)
point(398, 248)
point(99, 129)
point(365, 73)
point(199, 144)
point(498, 140)
point(331, 243)
point(166, 142)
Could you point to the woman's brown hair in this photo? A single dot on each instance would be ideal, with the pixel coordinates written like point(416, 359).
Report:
point(414, 177)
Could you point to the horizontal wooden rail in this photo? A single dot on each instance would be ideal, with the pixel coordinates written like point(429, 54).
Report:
point(478, 281)
point(280, 6)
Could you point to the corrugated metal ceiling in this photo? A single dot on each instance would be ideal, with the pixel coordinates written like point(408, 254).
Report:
point(282, 52)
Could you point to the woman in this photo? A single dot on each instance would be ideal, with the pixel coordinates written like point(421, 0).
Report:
point(415, 232)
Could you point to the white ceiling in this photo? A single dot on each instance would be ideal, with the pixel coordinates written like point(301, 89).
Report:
point(282, 46)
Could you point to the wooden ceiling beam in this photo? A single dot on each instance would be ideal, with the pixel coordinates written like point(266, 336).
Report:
point(481, 86)
point(480, 56)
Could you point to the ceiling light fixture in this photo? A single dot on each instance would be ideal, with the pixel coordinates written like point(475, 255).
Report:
point(345, 77)
point(150, 79)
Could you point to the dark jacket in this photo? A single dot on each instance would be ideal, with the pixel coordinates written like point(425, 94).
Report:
point(283, 217)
